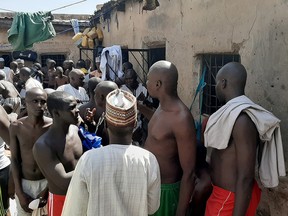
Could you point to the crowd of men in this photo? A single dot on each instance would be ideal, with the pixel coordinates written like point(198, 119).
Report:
point(149, 163)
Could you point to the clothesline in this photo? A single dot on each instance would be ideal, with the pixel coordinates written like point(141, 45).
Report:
point(65, 6)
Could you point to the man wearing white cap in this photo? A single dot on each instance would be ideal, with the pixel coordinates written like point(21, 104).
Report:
point(5, 69)
point(118, 179)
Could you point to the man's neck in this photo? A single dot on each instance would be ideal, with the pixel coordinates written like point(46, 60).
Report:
point(35, 120)
point(166, 101)
point(76, 87)
point(60, 127)
point(116, 139)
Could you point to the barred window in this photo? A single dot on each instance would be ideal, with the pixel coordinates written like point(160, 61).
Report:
point(213, 63)
point(57, 58)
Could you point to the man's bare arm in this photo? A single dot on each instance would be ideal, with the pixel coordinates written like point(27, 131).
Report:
point(184, 130)
point(50, 166)
point(4, 126)
point(16, 161)
point(245, 138)
point(146, 111)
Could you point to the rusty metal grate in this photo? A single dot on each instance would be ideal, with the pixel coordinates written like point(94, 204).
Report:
point(213, 64)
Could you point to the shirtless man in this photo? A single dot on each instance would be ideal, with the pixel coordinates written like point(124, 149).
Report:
point(10, 95)
point(233, 165)
point(51, 73)
point(172, 139)
point(60, 79)
point(29, 181)
point(57, 160)
point(4, 162)
point(68, 66)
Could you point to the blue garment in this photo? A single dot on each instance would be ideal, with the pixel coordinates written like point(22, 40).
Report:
point(89, 140)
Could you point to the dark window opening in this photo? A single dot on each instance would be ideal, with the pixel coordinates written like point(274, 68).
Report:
point(125, 55)
point(156, 54)
point(7, 59)
point(213, 63)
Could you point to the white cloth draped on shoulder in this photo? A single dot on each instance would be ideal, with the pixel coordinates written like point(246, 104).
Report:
point(220, 125)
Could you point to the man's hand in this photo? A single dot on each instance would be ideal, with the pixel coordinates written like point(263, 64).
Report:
point(89, 115)
point(141, 97)
point(43, 196)
point(24, 200)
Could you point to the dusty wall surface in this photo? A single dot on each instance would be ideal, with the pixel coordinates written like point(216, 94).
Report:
point(61, 44)
point(257, 30)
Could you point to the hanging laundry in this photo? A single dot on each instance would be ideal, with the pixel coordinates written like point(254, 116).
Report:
point(111, 63)
point(29, 28)
point(75, 25)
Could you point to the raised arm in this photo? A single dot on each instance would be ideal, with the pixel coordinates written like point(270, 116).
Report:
point(50, 166)
point(185, 135)
point(245, 137)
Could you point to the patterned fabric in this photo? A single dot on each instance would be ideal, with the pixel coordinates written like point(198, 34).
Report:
point(121, 108)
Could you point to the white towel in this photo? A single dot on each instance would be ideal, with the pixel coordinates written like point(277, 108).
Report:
point(219, 128)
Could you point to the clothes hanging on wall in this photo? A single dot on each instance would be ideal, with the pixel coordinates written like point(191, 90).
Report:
point(29, 28)
point(111, 63)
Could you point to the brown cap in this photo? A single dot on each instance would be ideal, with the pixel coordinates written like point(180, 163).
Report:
point(121, 109)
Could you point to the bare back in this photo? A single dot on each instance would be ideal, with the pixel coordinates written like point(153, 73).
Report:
point(57, 155)
point(8, 90)
point(165, 140)
point(23, 135)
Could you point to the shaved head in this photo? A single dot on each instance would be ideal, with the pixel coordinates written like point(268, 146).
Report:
point(92, 83)
point(25, 71)
point(57, 99)
point(75, 72)
point(31, 93)
point(102, 90)
point(230, 81)
point(76, 77)
point(167, 73)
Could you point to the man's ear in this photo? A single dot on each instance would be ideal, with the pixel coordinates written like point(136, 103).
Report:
point(158, 83)
point(103, 98)
point(55, 113)
point(224, 83)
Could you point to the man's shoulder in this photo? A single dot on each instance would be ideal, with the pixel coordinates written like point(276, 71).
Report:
point(141, 152)
point(19, 122)
point(63, 87)
point(47, 120)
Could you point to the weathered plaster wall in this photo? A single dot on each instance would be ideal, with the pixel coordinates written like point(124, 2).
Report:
point(257, 30)
point(60, 44)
